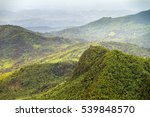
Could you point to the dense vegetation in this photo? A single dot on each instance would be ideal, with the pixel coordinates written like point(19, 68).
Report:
point(20, 46)
point(73, 53)
point(98, 71)
point(104, 74)
point(42, 66)
point(34, 79)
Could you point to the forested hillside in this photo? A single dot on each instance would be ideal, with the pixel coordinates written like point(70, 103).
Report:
point(99, 74)
point(105, 59)
point(130, 29)
point(34, 79)
point(20, 46)
point(103, 74)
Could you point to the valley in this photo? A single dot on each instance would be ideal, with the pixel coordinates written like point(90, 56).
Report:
point(102, 60)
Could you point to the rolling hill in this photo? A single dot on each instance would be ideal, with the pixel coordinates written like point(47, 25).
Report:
point(134, 29)
point(100, 74)
point(73, 53)
point(19, 46)
point(113, 62)
point(104, 74)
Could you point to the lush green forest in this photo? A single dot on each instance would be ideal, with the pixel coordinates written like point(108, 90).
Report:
point(104, 74)
point(34, 79)
point(19, 46)
point(106, 59)
point(99, 74)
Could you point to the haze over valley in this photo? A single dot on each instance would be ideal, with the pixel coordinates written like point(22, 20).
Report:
point(79, 50)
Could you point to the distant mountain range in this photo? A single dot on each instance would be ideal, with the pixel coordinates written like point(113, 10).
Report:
point(133, 29)
point(44, 29)
point(57, 18)
point(19, 46)
point(106, 59)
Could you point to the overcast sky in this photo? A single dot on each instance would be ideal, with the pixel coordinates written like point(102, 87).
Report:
point(75, 4)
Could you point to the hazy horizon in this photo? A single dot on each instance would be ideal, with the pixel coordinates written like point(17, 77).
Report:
point(65, 13)
point(17, 5)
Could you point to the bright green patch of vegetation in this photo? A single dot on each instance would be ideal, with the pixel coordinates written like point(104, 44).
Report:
point(67, 69)
point(104, 74)
point(34, 79)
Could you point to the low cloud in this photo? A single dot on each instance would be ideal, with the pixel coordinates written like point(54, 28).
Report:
point(141, 4)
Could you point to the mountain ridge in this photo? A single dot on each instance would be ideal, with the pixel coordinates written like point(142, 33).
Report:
point(132, 29)
point(21, 46)
point(113, 64)
point(109, 75)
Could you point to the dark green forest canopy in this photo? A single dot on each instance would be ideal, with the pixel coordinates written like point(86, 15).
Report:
point(34, 79)
point(19, 46)
point(61, 65)
point(105, 74)
point(99, 74)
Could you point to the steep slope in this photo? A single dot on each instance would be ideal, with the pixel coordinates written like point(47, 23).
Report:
point(133, 29)
point(19, 46)
point(104, 74)
point(34, 79)
point(56, 69)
